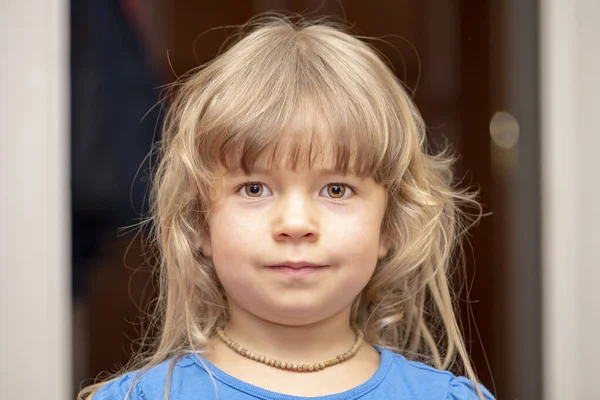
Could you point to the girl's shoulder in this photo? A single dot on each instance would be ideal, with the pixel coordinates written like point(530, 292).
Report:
point(419, 380)
point(148, 384)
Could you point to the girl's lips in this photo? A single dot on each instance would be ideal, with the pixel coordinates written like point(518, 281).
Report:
point(297, 270)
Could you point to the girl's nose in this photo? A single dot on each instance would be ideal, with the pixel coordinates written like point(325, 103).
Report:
point(296, 220)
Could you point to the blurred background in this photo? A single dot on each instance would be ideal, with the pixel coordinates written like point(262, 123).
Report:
point(511, 85)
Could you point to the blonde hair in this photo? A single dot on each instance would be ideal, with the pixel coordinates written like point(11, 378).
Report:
point(283, 93)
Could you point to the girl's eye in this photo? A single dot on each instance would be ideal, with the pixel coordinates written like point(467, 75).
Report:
point(337, 191)
point(254, 189)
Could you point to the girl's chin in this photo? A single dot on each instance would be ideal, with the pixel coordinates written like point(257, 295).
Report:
point(298, 315)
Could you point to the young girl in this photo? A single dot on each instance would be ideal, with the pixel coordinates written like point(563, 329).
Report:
point(306, 236)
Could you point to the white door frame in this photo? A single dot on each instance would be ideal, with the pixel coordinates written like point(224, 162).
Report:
point(35, 290)
point(570, 141)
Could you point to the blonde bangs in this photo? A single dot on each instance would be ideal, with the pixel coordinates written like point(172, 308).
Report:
point(295, 136)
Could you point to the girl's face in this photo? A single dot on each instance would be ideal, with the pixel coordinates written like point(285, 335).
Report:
point(295, 247)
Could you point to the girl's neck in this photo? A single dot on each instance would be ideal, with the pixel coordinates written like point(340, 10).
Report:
point(308, 343)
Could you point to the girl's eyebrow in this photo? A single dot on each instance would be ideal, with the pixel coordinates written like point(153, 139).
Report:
point(319, 171)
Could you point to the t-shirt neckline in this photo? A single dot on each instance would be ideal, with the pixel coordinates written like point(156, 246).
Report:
point(260, 393)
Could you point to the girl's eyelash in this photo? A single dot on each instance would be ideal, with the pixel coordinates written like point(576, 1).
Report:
point(240, 186)
point(352, 188)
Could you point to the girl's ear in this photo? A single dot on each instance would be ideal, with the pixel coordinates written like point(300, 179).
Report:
point(384, 246)
point(205, 243)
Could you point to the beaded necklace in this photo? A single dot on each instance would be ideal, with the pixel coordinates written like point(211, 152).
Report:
point(290, 366)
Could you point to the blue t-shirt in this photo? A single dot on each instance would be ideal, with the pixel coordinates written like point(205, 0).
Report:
point(395, 378)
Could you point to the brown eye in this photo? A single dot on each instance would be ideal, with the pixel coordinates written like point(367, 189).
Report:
point(254, 189)
point(336, 191)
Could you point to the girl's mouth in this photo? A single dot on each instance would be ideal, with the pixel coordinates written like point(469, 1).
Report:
point(297, 269)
